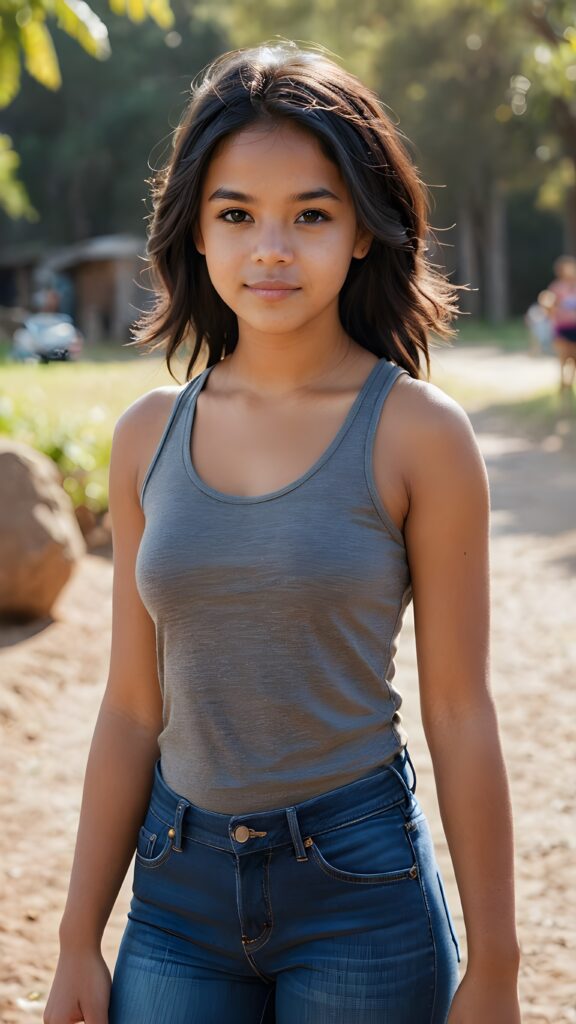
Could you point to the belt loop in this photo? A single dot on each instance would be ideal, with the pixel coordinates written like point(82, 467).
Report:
point(409, 790)
point(182, 806)
point(295, 833)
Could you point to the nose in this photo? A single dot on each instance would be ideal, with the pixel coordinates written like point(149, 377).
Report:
point(272, 247)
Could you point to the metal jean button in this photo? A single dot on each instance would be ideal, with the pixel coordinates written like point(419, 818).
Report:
point(241, 833)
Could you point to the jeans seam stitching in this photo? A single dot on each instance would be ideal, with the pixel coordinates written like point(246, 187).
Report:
point(380, 878)
point(269, 926)
point(430, 926)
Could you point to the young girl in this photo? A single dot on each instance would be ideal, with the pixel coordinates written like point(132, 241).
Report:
point(273, 517)
point(563, 308)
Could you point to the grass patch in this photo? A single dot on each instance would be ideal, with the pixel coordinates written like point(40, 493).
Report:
point(68, 412)
point(543, 415)
point(510, 336)
point(467, 393)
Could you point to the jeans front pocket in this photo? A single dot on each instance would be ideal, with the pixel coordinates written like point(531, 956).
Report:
point(371, 850)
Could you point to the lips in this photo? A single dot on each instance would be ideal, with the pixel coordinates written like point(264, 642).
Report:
point(273, 286)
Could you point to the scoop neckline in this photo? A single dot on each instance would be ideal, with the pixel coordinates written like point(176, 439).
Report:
point(243, 499)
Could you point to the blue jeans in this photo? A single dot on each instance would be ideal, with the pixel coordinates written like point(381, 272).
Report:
point(331, 911)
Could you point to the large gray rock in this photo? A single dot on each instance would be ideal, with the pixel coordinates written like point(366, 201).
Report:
point(40, 540)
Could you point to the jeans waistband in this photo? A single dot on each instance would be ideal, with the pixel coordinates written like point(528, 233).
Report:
point(261, 830)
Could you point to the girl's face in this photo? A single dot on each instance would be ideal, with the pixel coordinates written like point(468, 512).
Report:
point(274, 209)
point(569, 270)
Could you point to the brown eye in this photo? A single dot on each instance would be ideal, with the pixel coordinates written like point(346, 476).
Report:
point(224, 215)
point(317, 213)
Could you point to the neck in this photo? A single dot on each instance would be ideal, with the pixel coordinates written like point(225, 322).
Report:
point(278, 372)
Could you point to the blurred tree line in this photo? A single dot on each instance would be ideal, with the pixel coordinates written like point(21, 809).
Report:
point(482, 91)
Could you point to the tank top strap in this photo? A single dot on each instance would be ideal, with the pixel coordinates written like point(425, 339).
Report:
point(384, 374)
point(173, 426)
point(353, 461)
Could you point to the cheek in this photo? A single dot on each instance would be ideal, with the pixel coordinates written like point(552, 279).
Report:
point(332, 247)
point(329, 261)
point(221, 260)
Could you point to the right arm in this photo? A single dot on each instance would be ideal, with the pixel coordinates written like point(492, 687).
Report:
point(120, 765)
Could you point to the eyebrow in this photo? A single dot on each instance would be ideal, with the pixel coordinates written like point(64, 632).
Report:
point(300, 197)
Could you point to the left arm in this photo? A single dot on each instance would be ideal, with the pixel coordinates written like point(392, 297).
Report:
point(447, 539)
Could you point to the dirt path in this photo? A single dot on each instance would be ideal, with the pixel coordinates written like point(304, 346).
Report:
point(53, 679)
point(508, 375)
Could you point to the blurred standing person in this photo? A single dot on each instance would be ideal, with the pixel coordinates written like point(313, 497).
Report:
point(563, 315)
point(539, 323)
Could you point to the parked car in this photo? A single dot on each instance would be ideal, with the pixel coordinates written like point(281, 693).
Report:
point(47, 337)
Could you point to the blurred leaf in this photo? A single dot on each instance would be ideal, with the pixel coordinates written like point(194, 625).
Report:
point(558, 181)
point(161, 12)
point(39, 55)
point(80, 22)
point(14, 199)
point(9, 70)
point(137, 10)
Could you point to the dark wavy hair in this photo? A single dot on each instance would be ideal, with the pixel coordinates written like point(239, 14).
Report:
point(391, 298)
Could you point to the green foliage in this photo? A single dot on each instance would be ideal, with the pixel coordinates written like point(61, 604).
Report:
point(13, 195)
point(91, 145)
point(68, 411)
point(139, 10)
point(75, 441)
point(24, 31)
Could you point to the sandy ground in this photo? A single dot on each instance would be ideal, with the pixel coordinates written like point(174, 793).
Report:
point(53, 677)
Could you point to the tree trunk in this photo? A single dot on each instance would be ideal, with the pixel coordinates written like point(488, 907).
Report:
point(468, 269)
point(495, 256)
point(570, 222)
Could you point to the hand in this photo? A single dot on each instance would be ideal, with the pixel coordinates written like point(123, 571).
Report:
point(80, 989)
point(481, 997)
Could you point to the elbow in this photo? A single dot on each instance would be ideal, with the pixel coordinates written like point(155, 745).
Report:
point(444, 722)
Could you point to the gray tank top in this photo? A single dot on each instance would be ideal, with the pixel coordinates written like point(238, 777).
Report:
point(276, 618)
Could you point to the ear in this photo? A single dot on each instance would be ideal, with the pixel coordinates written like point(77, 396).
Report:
point(198, 240)
point(363, 242)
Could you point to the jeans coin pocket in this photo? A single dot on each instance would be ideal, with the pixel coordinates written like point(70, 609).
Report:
point(371, 850)
point(154, 843)
point(146, 841)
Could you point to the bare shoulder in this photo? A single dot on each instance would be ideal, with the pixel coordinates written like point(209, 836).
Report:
point(150, 406)
point(424, 439)
point(424, 406)
point(428, 427)
point(138, 430)
point(435, 435)
point(445, 478)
